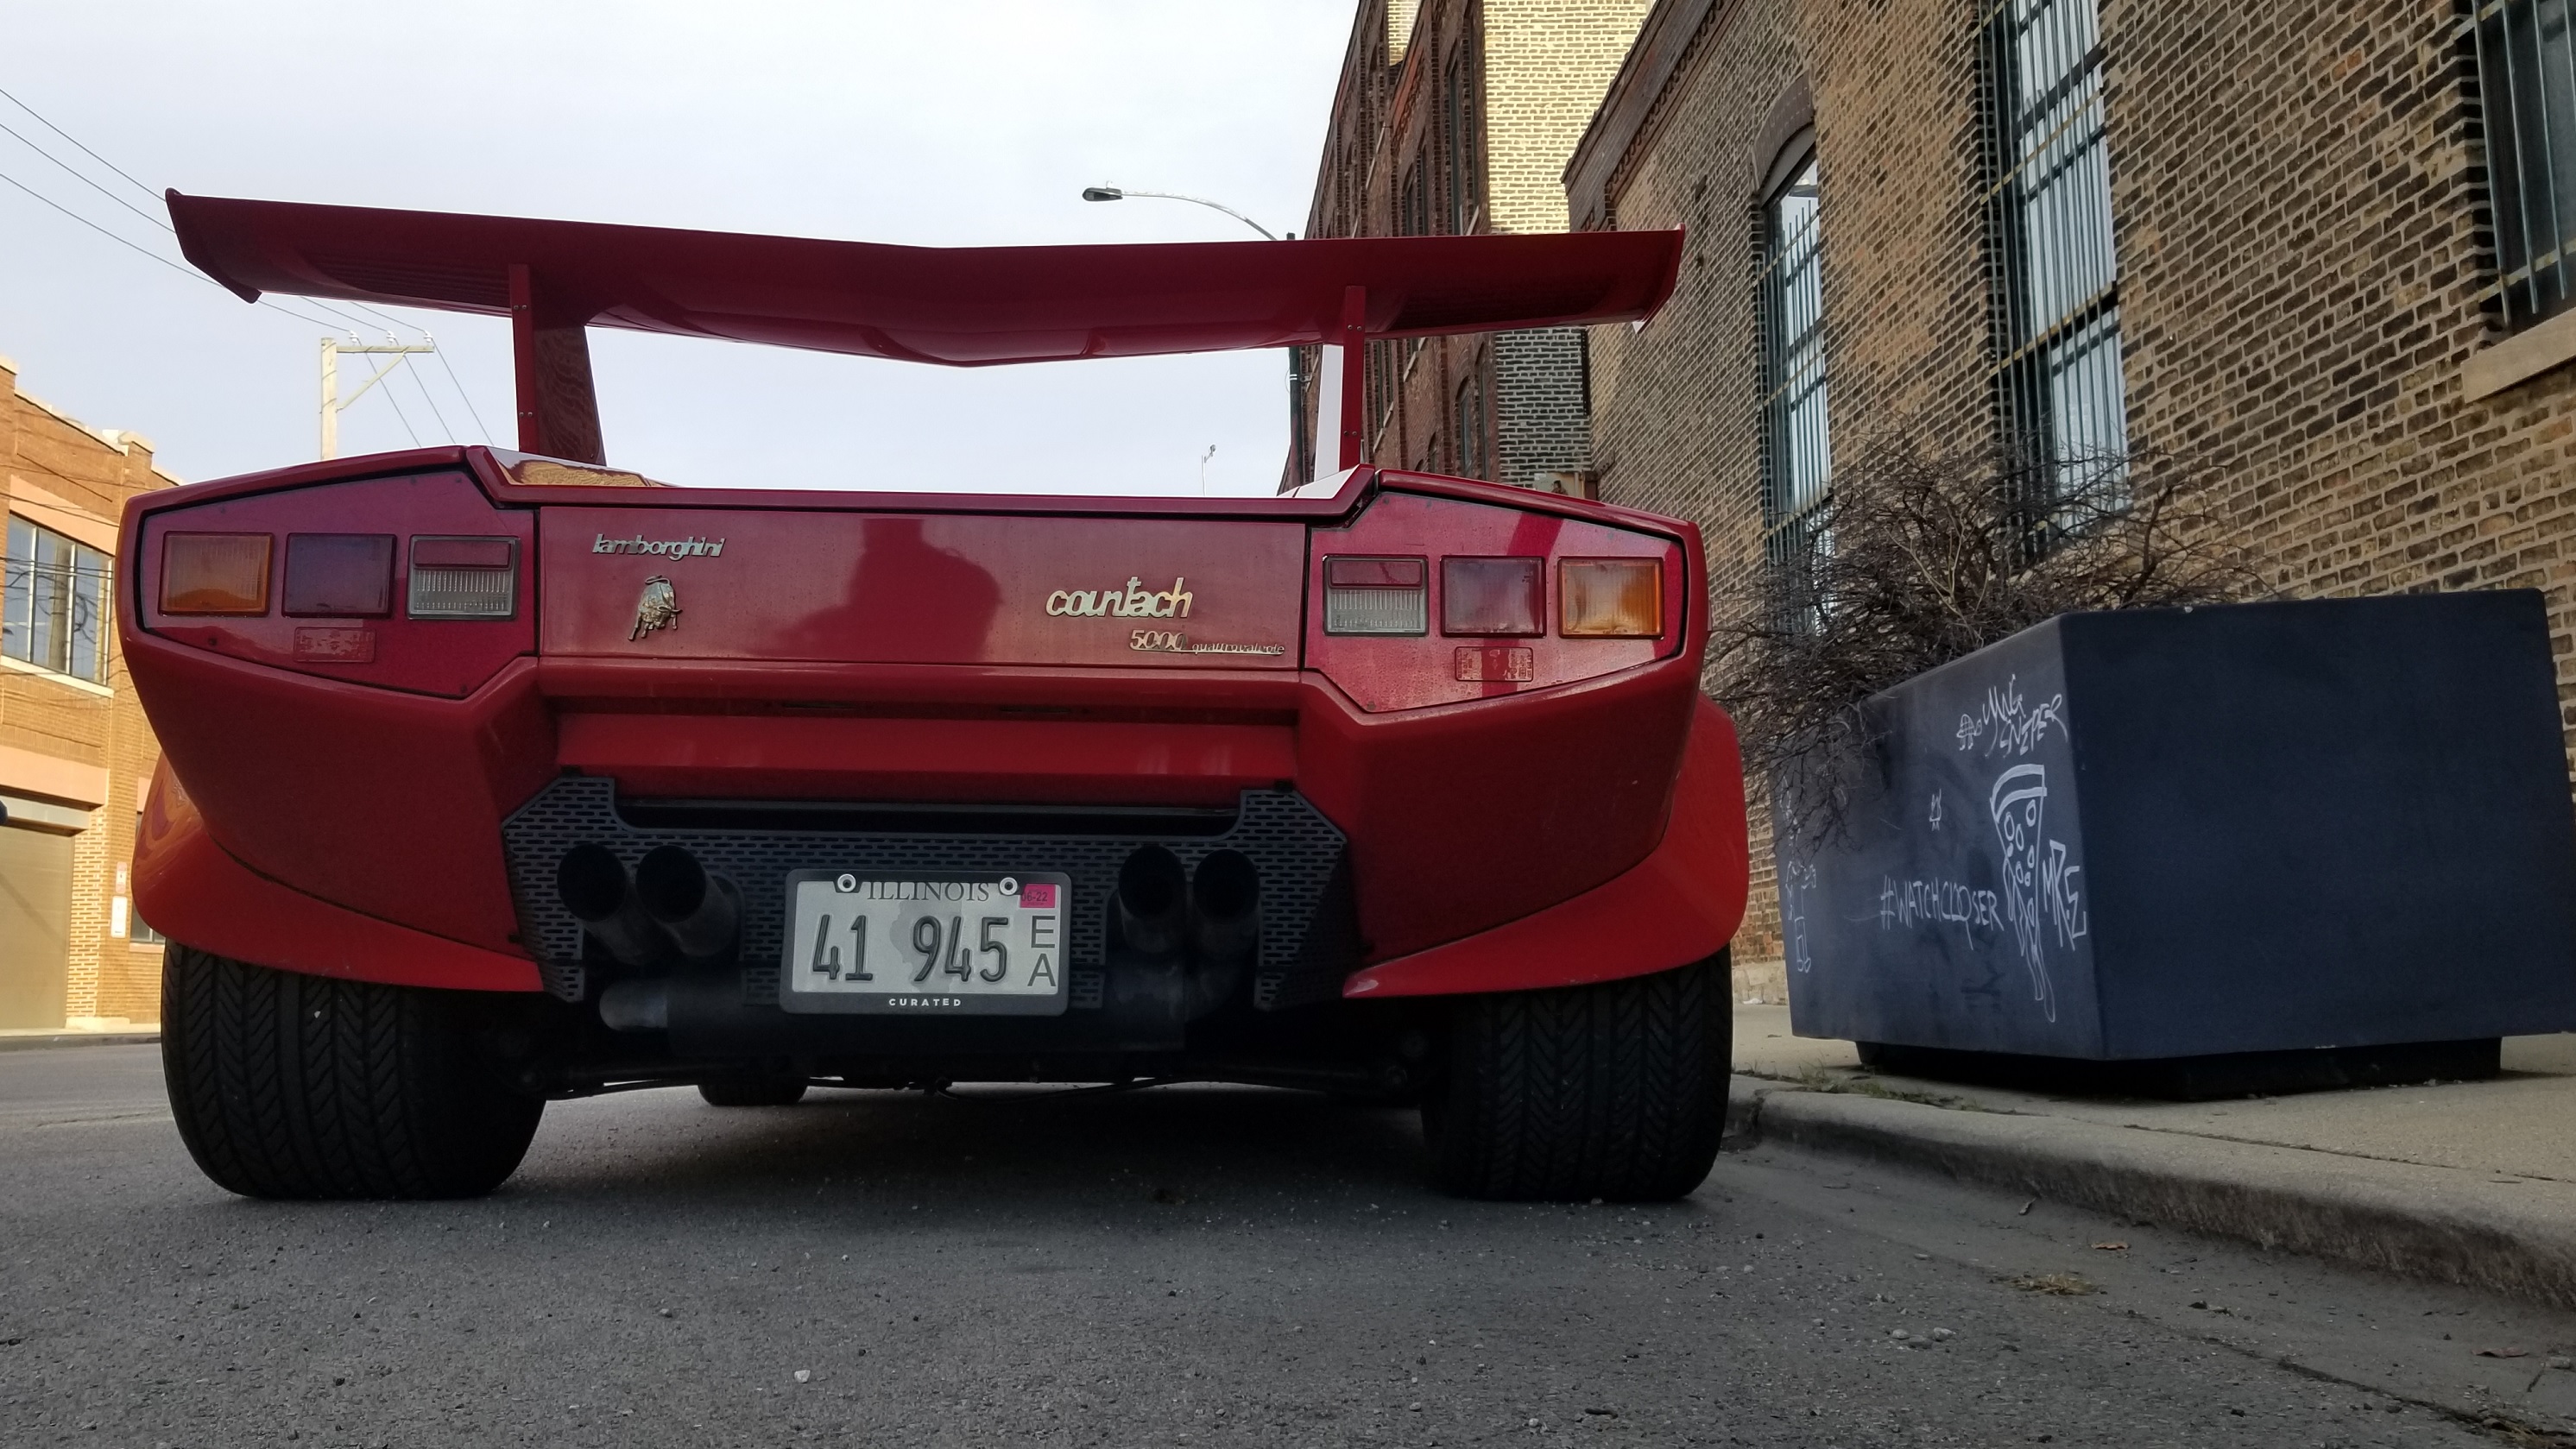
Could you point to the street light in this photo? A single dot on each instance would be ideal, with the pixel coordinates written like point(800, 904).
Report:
point(1112, 193)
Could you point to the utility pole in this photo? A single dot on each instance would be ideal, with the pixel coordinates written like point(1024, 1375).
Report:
point(332, 403)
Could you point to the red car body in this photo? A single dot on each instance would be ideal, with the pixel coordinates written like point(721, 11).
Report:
point(351, 790)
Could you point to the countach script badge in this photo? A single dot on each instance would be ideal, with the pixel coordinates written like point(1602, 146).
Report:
point(1131, 602)
point(659, 609)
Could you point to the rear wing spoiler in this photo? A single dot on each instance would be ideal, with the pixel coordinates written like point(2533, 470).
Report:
point(955, 306)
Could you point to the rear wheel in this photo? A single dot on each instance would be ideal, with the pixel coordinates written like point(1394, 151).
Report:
point(753, 1091)
point(1613, 1091)
point(293, 1086)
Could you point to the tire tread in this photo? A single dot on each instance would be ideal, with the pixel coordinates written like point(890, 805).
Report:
point(292, 1086)
point(1614, 1091)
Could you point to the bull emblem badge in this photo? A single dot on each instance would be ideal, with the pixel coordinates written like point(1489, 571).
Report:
point(659, 609)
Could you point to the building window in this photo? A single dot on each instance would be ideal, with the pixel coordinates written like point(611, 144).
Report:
point(2053, 270)
point(2527, 92)
point(1471, 429)
point(1466, 197)
point(56, 597)
point(1797, 446)
point(1413, 208)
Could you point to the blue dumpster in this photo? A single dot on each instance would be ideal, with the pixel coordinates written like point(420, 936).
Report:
point(2250, 847)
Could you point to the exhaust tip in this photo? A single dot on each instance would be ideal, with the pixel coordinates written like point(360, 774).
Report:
point(1152, 890)
point(591, 882)
point(671, 883)
point(1225, 887)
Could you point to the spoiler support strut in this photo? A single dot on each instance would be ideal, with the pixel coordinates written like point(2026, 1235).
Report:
point(550, 350)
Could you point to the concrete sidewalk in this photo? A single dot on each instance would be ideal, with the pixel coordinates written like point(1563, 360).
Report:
point(33, 1038)
point(2464, 1182)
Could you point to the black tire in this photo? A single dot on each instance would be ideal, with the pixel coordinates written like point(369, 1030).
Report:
point(293, 1086)
point(1616, 1091)
point(753, 1091)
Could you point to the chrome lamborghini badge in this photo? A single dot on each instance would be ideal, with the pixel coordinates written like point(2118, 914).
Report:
point(659, 608)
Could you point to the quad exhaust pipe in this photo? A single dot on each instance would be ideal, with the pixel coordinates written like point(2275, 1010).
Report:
point(1153, 902)
point(1214, 911)
point(1225, 907)
point(696, 910)
point(669, 910)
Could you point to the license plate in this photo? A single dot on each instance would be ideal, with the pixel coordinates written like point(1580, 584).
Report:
point(949, 945)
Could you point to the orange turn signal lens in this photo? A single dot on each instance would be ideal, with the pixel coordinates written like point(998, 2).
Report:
point(215, 573)
point(1610, 598)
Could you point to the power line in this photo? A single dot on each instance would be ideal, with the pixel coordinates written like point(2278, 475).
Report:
point(382, 317)
point(417, 381)
point(93, 155)
point(398, 412)
point(146, 252)
point(459, 385)
point(74, 172)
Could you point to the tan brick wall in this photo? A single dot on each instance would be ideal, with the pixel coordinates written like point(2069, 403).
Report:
point(107, 975)
point(2295, 194)
point(1547, 63)
point(1540, 67)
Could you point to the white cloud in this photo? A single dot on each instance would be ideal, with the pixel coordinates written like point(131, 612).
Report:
point(956, 123)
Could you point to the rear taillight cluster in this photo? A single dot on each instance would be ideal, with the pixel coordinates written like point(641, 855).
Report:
point(1597, 598)
point(1427, 600)
point(338, 575)
point(411, 582)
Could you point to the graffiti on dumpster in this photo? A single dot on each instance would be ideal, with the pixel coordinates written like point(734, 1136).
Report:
point(2040, 905)
point(2008, 725)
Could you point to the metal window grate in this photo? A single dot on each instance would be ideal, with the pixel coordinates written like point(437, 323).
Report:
point(2053, 268)
point(1797, 444)
point(2526, 72)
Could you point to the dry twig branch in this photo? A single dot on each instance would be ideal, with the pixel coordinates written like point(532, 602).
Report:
point(1927, 557)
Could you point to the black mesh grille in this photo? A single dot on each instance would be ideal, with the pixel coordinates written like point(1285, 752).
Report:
point(1292, 846)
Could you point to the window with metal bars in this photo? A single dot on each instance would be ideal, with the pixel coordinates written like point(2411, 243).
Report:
point(1797, 445)
point(1466, 179)
point(53, 611)
point(2526, 72)
point(2053, 268)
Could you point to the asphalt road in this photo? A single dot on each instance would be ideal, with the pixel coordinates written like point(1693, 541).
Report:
point(1183, 1266)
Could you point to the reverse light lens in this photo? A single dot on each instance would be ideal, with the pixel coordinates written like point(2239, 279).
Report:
point(344, 575)
point(215, 573)
point(464, 578)
point(1493, 596)
point(1610, 598)
point(1376, 595)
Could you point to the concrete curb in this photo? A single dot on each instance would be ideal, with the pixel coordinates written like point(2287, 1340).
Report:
point(2516, 1237)
point(39, 1041)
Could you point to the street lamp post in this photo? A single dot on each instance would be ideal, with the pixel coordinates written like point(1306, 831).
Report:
point(1112, 193)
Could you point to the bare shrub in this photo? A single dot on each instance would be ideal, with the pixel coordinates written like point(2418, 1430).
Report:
point(1931, 556)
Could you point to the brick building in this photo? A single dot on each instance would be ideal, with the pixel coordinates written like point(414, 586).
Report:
point(2306, 243)
point(75, 753)
point(1453, 117)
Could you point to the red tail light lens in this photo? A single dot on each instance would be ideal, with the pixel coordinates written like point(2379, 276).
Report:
point(1611, 598)
point(406, 581)
point(340, 575)
point(1493, 596)
point(1376, 595)
point(1500, 633)
point(464, 578)
point(215, 573)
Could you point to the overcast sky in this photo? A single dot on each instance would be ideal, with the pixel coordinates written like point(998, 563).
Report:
point(937, 122)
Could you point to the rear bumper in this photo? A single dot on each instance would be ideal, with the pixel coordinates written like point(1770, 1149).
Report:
point(344, 830)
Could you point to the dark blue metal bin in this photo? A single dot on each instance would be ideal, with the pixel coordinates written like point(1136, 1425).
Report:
point(2185, 833)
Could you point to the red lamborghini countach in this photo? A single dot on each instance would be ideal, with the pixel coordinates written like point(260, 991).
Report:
point(499, 776)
